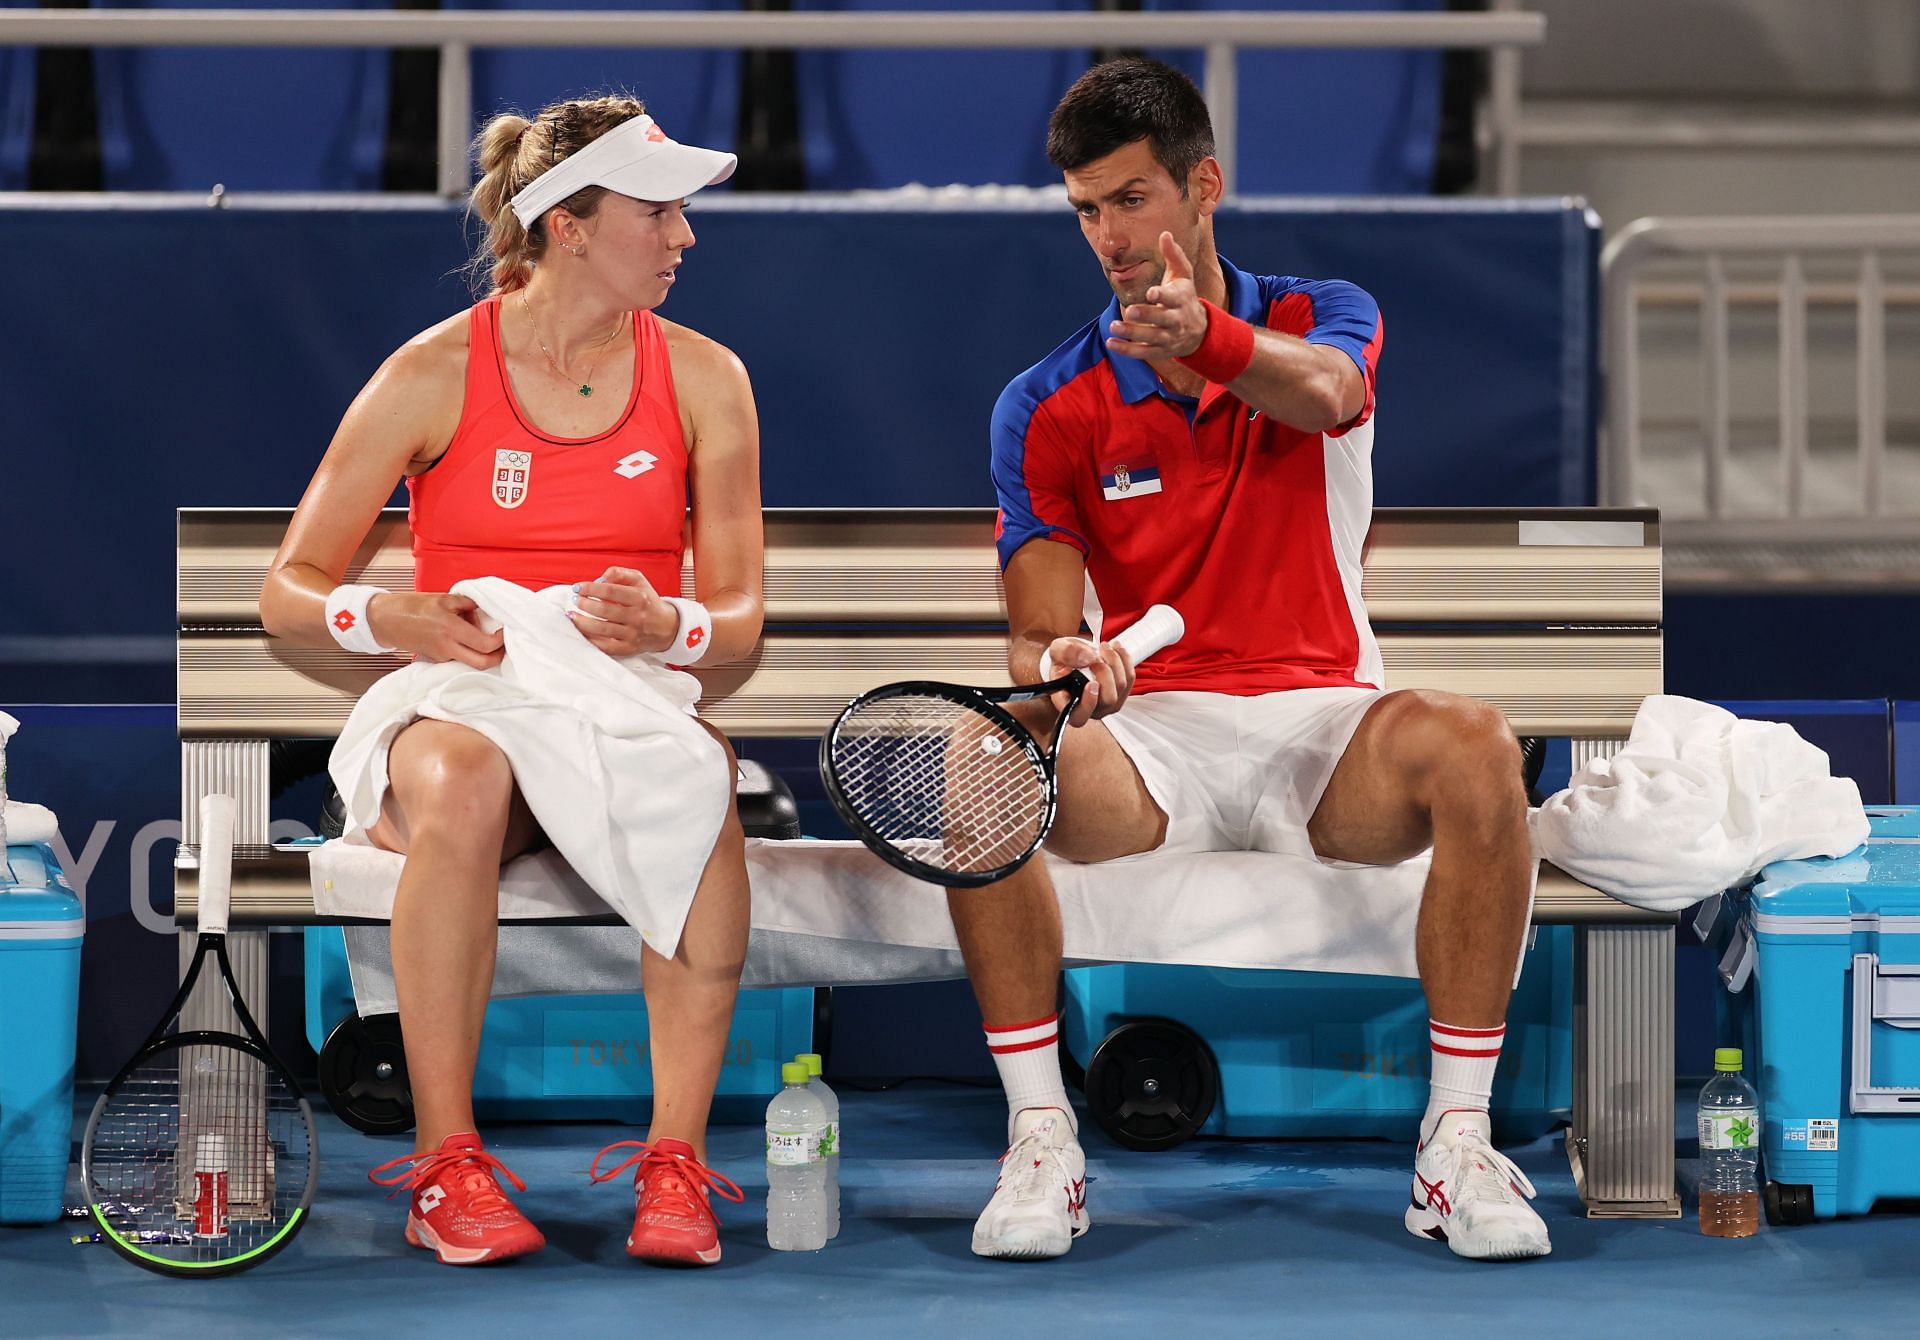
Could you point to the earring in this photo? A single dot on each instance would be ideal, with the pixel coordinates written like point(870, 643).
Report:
point(575, 250)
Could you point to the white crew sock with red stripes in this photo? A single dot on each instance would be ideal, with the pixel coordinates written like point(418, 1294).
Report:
point(1028, 1059)
point(1463, 1065)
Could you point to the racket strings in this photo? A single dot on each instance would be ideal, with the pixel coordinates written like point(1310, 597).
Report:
point(200, 1155)
point(945, 784)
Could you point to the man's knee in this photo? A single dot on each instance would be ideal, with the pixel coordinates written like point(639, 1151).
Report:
point(1455, 746)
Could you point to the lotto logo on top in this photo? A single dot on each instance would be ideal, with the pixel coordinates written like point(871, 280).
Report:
point(635, 463)
point(511, 472)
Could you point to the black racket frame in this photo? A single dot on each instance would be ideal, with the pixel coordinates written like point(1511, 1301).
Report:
point(254, 1045)
point(989, 703)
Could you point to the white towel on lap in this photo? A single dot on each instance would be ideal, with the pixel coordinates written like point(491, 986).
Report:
point(626, 783)
point(1697, 801)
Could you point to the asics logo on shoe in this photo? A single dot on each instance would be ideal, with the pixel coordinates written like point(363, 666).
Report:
point(1077, 1195)
point(1435, 1195)
point(431, 1198)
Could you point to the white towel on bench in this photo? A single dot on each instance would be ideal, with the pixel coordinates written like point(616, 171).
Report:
point(1695, 802)
point(627, 785)
point(832, 914)
point(30, 823)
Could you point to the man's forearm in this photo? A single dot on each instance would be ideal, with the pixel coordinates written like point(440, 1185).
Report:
point(1297, 383)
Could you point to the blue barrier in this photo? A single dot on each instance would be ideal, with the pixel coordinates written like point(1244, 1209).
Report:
point(17, 85)
point(1906, 753)
point(1329, 122)
point(893, 118)
point(186, 119)
point(878, 341)
point(694, 94)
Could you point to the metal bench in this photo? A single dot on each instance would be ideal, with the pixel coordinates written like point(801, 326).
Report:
point(1551, 614)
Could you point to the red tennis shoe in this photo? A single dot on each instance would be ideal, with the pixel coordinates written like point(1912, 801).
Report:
point(673, 1221)
point(458, 1210)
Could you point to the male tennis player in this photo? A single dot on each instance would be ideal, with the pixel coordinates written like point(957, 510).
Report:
point(1206, 442)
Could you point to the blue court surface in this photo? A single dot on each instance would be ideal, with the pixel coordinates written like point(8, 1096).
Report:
point(1262, 1238)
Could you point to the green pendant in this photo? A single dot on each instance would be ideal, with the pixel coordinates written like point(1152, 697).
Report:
point(585, 389)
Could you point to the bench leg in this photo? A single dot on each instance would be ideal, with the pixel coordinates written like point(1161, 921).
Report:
point(241, 769)
point(1621, 1144)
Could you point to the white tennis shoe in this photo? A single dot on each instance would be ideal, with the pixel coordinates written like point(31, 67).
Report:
point(1039, 1205)
point(1472, 1197)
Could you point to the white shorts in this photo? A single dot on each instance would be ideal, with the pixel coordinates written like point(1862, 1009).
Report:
point(1239, 773)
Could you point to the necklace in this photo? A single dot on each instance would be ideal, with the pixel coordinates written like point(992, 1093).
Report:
point(586, 387)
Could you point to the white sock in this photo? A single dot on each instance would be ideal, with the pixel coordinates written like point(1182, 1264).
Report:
point(1463, 1065)
point(1028, 1059)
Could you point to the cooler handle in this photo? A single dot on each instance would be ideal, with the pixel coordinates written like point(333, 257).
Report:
point(1736, 964)
point(1893, 996)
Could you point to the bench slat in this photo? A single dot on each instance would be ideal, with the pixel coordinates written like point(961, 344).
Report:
point(1585, 684)
point(938, 566)
point(273, 889)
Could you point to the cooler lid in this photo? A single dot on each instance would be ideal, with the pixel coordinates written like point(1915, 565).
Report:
point(1881, 877)
point(36, 903)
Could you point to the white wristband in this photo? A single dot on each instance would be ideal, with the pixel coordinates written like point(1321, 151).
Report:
point(692, 635)
point(347, 618)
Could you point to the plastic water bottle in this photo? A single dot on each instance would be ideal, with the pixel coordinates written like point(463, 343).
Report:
point(796, 1174)
point(829, 1139)
point(1729, 1150)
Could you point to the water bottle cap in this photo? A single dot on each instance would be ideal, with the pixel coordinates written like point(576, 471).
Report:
point(1727, 1058)
point(794, 1073)
point(811, 1060)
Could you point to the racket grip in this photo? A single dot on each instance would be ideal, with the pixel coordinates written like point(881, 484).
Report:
point(216, 862)
point(1156, 630)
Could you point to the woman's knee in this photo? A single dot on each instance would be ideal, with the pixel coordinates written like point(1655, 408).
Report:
point(453, 778)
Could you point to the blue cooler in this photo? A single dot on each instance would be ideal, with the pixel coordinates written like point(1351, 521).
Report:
point(1834, 1023)
point(1173, 1051)
point(542, 1058)
point(41, 925)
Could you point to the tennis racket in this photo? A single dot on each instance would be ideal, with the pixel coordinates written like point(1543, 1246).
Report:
point(200, 1158)
point(944, 783)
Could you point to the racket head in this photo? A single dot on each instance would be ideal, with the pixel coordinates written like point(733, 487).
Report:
point(888, 762)
point(185, 1105)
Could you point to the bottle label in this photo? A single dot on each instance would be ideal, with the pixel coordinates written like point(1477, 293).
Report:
point(830, 1140)
point(792, 1149)
point(1732, 1128)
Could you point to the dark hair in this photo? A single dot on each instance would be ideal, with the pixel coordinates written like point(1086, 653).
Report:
point(1133, 98)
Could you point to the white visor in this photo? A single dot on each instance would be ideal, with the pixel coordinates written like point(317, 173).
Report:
point(636, 159)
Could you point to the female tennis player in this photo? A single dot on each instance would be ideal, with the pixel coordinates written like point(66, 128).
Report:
point(553, 433)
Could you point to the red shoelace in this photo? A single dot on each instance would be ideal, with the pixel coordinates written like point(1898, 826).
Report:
point(688, 1175)
point(471, 1169)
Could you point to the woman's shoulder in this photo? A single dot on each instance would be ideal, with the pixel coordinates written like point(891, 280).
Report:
point(437, 353)
point(700, 361)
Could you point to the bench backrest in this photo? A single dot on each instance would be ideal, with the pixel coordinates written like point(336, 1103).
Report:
point(1553, 615)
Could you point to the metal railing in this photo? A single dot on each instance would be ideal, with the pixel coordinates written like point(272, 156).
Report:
point(1786, 246)
point(1222, 36)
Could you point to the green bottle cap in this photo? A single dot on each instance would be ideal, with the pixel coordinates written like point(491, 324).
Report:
point(794, 1073)
point(1727, 1058)
point(811, 1060)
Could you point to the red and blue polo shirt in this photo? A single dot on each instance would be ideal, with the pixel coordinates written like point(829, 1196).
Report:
point(1249, 527)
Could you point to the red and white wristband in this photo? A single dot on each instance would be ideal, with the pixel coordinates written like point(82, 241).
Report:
point(347, 619)
point(692, 635)
point(1225, 351)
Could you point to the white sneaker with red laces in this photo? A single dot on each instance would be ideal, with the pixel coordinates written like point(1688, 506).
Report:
point(1039, 1205)
point(1472, 1197)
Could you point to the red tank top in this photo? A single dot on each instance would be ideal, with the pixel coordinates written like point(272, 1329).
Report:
point(507, 500)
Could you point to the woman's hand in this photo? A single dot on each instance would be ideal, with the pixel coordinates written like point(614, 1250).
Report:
point(434, 627)
point(623, 615)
